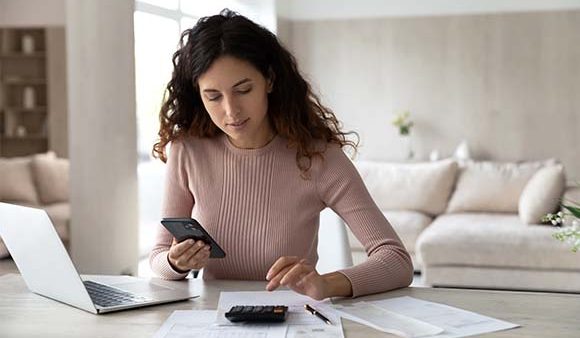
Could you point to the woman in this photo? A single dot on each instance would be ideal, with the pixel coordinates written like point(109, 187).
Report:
point(255, 157)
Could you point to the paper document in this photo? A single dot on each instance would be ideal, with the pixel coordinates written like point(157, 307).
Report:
point(455, 322)
point(387, 321)
point(300, 323)
point(201, 324)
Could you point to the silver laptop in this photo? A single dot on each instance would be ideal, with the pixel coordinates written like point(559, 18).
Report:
point(48, 270)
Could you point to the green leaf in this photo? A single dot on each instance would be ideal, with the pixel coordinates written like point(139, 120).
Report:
point(574, 210)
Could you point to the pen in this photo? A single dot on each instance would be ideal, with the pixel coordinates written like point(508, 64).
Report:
point(317, 314)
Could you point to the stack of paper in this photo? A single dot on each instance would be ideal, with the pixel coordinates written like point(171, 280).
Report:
point(387, 321)
point(213, 324)
point(411, 317)
point(403, 316)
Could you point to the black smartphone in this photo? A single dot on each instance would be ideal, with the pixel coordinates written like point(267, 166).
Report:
point(185, 228)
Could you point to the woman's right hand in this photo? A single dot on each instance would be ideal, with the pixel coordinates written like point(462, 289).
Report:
point(188, 255)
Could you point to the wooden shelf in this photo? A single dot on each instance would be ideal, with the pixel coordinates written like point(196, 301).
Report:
point(35, 110)
point(25, 138)
point(20, 55)
point(21, 70)
point(24, 81)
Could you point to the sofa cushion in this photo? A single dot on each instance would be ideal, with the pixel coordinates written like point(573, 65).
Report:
point(408, 225)
point(491, 186)
point(493, 240)
point(3, 250)
point(542, 194)
point(572, 194)
point(423, 187)
point(59, 214)
point(51, 176)
point(16, 181)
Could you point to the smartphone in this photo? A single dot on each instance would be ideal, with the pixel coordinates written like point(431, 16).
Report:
point(186, 228)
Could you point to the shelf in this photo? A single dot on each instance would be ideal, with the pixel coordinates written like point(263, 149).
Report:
point(36, 110)
point(20, 55)
point(25, 77)
point(24, 138)
point(24, 81)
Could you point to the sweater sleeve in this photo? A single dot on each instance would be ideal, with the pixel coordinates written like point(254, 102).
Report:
point(177, 202)
point(341, 188)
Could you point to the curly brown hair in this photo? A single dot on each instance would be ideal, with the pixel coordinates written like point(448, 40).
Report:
point(294, 111)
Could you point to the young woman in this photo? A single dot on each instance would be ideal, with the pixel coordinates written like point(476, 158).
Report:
point(255, 157)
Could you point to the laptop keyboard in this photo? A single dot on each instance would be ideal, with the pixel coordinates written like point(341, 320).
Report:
point(106, 296)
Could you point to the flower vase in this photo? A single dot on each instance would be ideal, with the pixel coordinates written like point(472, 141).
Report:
point(408, 146)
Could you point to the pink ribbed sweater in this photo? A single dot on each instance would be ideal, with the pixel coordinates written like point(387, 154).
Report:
point(258, 208)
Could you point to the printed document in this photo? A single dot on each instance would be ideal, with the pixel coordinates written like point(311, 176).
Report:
point(201, 324)
point(411, 317)
point(386, 321)
point(455, 322)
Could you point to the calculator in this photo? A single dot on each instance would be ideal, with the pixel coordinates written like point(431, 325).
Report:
point(257, 313)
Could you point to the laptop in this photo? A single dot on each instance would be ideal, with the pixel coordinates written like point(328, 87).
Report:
point(48, 270)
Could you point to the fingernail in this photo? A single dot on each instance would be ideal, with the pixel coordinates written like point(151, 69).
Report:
point(268, 276)
point(190, 241)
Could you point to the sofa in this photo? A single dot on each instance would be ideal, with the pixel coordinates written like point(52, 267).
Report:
point(477, 224)
point(41, 181)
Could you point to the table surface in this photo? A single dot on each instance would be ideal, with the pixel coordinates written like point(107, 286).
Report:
point(24, 314)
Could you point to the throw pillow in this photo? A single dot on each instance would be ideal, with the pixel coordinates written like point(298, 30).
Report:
point(423, 187)
point(491, 186)
point(51, 175)
point(16, 181)
point(542, 194)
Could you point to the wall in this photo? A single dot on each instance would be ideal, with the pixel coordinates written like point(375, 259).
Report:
point(506, 83)
point(32, 13)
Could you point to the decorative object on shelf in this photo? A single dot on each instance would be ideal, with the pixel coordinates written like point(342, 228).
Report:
point(21, 131)
point(462, 152)
point(404, 123)
point(27, 44)
point(569, 222)
point(28, 97)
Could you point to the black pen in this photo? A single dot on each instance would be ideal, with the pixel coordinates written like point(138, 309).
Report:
point(317, 314)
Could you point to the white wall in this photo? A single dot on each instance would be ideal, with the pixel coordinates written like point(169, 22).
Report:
point(507, 83)
point(32, 13)
point(350, 9)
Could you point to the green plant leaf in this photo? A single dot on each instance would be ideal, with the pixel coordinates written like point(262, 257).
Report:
point(574, 210)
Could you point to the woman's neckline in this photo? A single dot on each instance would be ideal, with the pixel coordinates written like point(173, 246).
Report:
point(251, 151)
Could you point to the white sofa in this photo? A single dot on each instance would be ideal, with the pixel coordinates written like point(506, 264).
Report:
point(40, 181)
point(476, 224)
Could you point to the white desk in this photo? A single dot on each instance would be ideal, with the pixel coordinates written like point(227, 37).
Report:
point(24, 314)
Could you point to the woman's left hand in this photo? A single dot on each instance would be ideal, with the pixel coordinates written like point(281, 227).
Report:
point(302, 277)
